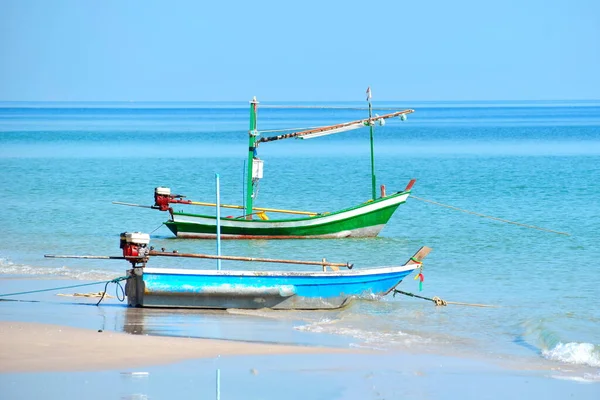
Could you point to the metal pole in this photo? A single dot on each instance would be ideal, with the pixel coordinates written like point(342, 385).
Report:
point(218, 223)
point(244, 186)
point(218, 384)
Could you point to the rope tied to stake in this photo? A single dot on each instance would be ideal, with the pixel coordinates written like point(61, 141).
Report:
point(437, 303)
point(440, 302)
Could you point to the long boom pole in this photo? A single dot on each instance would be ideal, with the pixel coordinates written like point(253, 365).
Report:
point(210, 257)
point(95, 257)
point(278, 210)
point(361, 123)
point(258, 259)
point(201, 203)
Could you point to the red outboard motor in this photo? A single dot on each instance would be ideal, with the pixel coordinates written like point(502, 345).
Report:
point(162, 198)
point(135, 244)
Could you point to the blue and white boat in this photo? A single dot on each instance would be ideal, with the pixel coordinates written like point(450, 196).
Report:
point(328, 288)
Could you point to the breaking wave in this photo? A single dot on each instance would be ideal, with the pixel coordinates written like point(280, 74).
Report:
point(547, 336)
point(574, 353)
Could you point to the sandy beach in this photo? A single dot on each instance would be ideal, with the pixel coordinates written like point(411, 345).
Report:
point(33, 347)
point(61, 362)
point(62, 347)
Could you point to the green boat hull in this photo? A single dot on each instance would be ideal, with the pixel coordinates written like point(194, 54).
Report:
point(364, 220)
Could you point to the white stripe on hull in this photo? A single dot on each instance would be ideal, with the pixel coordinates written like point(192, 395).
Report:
point(367, 271)
point(370, 231)
point(305, 222)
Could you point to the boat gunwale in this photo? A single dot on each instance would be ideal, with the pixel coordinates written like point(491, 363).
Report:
point(368, 271)
point(310, 218)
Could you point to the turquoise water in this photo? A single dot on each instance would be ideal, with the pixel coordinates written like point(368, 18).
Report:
point(533, 163)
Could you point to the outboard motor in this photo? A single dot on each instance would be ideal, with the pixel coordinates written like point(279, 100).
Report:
point(135, 244)
point(162, 198)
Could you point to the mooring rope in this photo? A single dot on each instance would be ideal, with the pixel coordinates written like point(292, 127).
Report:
point(157, 228)
point(490, 217)
point(116, 280)
point(438, 301)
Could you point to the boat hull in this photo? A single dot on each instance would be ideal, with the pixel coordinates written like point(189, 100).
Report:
point(180, 288)
point(365, 220)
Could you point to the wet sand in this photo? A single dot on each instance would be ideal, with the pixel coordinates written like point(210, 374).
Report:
point(51, 348)
point(57, 363)
point(34, 347)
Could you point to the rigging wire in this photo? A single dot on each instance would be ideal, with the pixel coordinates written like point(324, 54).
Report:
point(489, 216)
point(289, 129)
point(329, 107)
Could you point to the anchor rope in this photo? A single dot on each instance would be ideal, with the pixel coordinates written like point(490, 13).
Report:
point(116, 280)
point(157, 228)
point(489, 216)
point(440, 302)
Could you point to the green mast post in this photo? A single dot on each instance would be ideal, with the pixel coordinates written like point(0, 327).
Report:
point(373, 179)
point(252, 134)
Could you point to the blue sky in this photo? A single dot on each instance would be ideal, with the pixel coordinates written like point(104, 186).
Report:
point(144, 50)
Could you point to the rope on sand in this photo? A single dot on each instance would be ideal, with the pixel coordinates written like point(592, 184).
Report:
point(439, 302)
point(116, 280)
point(91, 294)
point(489, 216)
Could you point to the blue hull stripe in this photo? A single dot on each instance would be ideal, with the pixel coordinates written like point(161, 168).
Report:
point(322, 286)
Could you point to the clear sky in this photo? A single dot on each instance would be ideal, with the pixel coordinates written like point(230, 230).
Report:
point(199, 50)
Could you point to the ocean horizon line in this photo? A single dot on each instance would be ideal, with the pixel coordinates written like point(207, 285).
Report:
point(7, 104)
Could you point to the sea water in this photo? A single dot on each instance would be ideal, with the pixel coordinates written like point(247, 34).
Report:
point(535, 163)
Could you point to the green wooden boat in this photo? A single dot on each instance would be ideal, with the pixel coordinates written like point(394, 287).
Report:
point(363, 220)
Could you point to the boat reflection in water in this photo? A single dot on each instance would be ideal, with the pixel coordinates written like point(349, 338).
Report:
point(266, 326)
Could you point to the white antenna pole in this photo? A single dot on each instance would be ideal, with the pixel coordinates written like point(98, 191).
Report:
point(219, 384)
point(218, 223)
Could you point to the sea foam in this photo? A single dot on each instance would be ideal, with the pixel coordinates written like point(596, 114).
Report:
point(574, 353)
point(9, 268)
point(377, 340)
